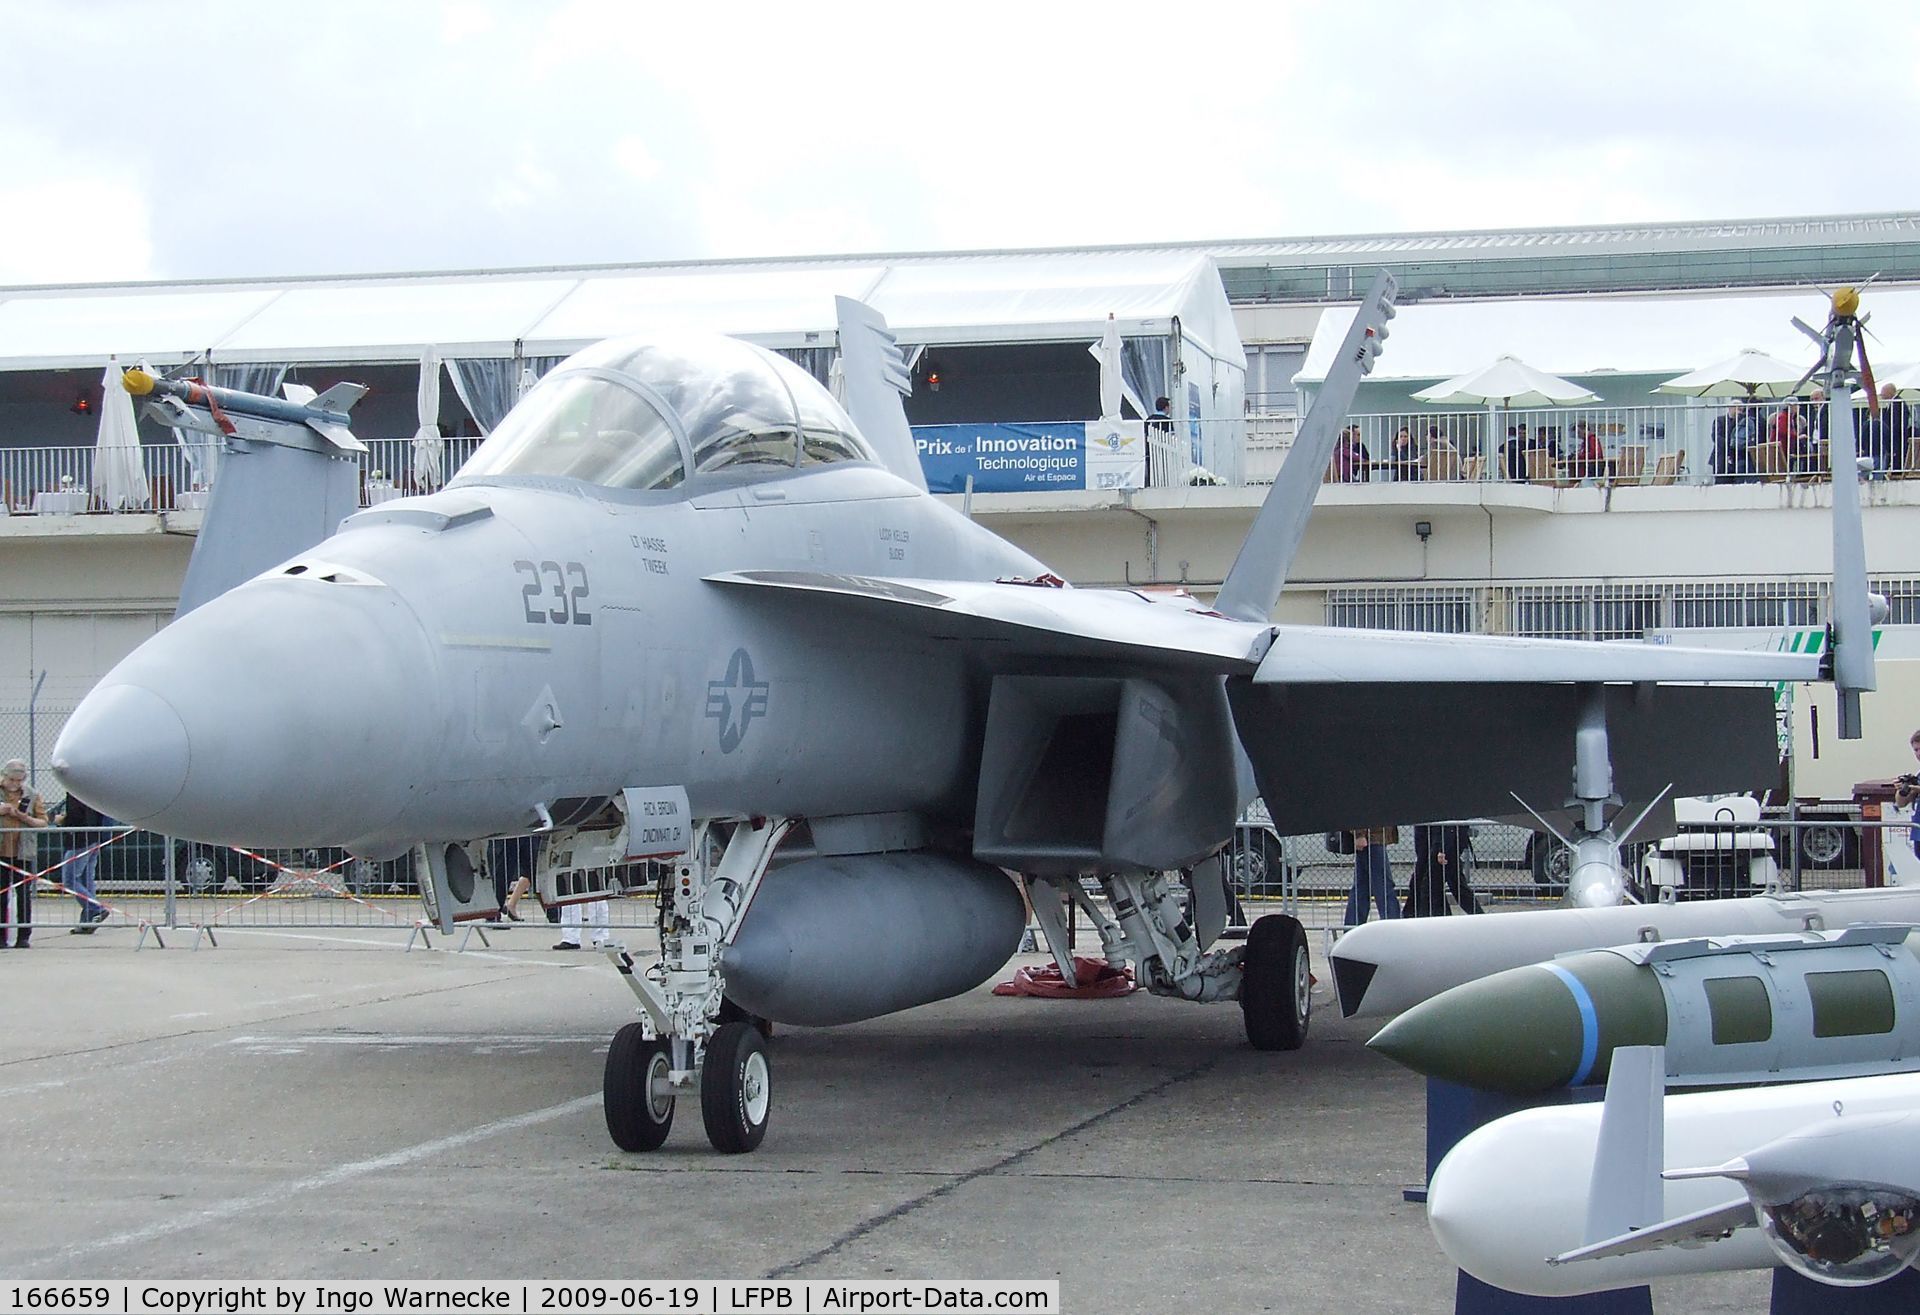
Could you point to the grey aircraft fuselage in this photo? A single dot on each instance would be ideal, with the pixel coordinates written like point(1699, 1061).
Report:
point(460, 659)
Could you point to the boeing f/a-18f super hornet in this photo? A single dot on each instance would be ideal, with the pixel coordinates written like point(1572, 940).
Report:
point(680, 595)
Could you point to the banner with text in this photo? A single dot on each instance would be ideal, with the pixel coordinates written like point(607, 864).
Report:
point(1033, 457)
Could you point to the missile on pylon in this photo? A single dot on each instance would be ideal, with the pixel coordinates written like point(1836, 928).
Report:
point(190, 404)
point(1729, 1011)
point(1530, 1203)
point(1388, 967)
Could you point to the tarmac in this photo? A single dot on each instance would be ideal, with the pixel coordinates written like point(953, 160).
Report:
point(323, 1104)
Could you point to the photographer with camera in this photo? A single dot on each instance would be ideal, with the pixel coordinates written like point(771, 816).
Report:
point(1906, 790)
point(20, 811)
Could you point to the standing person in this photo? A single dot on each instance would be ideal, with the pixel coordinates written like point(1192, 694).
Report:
point(20, 812)
point(1906, 790)
point(1159, 437)
point(1372, 875)
point(592, 913)
point(80, 874)
point(1437, 870)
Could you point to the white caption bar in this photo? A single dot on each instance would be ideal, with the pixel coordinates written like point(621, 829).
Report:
point(583, 1297)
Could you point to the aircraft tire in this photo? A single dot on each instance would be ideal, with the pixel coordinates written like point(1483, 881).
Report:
point(1276, 975)
point(736, 1094)
point(637, 1119)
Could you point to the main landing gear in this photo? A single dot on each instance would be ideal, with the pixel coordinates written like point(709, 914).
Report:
point(690, 1037)
point(1271, 975)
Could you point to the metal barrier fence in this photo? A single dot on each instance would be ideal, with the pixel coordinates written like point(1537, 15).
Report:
point(1514, 867)
point(139, 879)
point(129, 878)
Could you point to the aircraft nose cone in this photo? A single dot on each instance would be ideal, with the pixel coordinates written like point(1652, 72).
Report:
point(124, 751)
point(285, 713)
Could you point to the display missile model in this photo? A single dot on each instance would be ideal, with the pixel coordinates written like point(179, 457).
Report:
point(1728, 1011)
point(190, 404)
point(1388, 967)
point(680, 582)
point(1568, 1199)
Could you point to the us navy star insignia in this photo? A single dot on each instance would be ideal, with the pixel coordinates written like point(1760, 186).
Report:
point(735, 701)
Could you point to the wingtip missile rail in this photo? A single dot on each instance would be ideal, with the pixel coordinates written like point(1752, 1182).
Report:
point(191, 404)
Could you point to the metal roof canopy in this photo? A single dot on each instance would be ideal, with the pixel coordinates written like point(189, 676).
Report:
point(1584, 336)
point(936, 299)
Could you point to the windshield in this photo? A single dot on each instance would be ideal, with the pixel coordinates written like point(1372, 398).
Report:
point(637, 414)
point(584, 426)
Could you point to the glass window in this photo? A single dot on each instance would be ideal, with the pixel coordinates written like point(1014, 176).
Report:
point(584, 427)
point(1857, 1003)
point(1740, 1010)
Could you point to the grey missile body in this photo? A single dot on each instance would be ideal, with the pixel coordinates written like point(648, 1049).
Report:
point(1729, 1011)
point(1385, 968)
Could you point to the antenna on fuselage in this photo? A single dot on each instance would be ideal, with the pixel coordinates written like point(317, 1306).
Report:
point(1252, 588)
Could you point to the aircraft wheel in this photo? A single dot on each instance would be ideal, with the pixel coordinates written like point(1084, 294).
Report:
point(1276, 984)
point(638, 1115)
point(735, 1090)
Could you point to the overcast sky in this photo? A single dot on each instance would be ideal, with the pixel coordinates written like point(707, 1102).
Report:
point(199, 138)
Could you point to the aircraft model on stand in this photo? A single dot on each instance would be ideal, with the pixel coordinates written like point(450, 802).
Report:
point(679, 593)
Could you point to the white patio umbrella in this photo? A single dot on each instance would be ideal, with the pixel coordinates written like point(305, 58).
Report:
point(1906, 383)
point(1508, 382)
point(119, 473)
point(1749, 374)
point(429, 449)
point(1107, 352)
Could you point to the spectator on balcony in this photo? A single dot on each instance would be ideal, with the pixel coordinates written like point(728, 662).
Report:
point(1801, 430)
point(1352, 463)
point(1405, 456)
point(1887, 433)
point(1513, 453)
point(1587, 456)
point(1733, 441)
point(1159, 437)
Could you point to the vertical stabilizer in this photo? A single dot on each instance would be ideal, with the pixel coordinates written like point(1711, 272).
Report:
point(1626, 1191)
point(877, 378)
point(1252, 587)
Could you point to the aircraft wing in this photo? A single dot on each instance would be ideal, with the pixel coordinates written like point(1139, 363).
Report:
point(1696, 1229)
point(1312, 655)
point(1361, 728)
point(1025, 620)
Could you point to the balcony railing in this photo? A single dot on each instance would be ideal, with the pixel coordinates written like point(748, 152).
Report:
point(1558, 447)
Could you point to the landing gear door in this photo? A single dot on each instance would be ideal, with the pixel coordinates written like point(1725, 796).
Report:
point(659, 821)
point(457, 887)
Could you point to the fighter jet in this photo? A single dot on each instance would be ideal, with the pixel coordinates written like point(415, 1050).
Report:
point(679, 596)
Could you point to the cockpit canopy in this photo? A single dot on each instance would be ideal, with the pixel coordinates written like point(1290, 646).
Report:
point(633, 413)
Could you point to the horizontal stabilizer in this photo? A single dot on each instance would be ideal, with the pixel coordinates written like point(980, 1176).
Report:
point(1023, 620)
point(340, 398)
point(338, 435)
point(1701, 1226)
point(1310, 655)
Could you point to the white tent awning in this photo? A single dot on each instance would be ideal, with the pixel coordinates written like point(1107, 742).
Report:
point(1576, 336)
